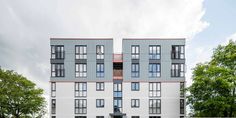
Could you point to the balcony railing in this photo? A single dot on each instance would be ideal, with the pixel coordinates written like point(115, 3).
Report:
point(117, 74)
point(117, 57)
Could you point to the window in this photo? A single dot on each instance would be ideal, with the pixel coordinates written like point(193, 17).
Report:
point(80, 106)
point(53, 89)
point(135, 86)
point(100, 70)
point(100, 51)
point(57, 52)
point(181, 89)
point(80, 52)
point(135, 70)
point(134, 52)
point(134, 116)
point(181, 116)
point(117, 97)
point(80, 116)
point(154, 116)
point(154, 106)
point(53, 106)
point(177, 70)
point(99, 103)
point(57, 70)
point(181, 106)
point(100, 86)
point(134, 103)
point(154, 52)
point(154, 70)
point(155, 89)
point(177, 52)
point(80, 70)
point(80, 89)
point(53, 116)
point(99, 116)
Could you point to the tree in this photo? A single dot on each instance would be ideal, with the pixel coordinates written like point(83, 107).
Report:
point(213, 92)
point(19, 97)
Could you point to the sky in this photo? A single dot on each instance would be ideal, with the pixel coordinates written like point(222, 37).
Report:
point(27, 25)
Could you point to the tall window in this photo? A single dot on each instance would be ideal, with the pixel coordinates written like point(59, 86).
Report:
point(53, 89)
point(134, 116)
point(99, 116)
point(57, 52)
point(135, 70)
point(117, 97)
point(80, 89)
point(100, 86)
point(177, 52)
point(155, 89)
point(100, 70)
point(80, 116)
point(135, 86)
point(100, 51)
point(181, 106)
point(100, 103)
point(53, 106)
point(154, 70)
point(154, 52)
point(80, 70)
point(57, 70)
point(80, 52)
point(177, 70)
point(154, 106)
point(134, 52)
point(80, 106)
point(181, 89)
point(134, 103)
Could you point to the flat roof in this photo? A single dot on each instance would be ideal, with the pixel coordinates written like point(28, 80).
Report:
point(154, 39)
point(81, 38)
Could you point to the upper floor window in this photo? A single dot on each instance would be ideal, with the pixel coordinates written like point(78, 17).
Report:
point(80, 89)
point(100, 86)
point(57, 52)
point(155, 89)
point(80, 106)
point(154, 52)
point(100, 70)
point(177, 70)
point(57, 70)
point(80, 52)
point(134, 116)
point(154, 70)
point(80, 70)
point(53, 89)
point(181, 106)
point(154, 106)
point(134, 103)
point(117, 90)
point(53, 109)
point(99, 103)
point(100, 51)
point(177, 52)
point(181, 89)
point(135, 86)
point(99, 116)
point(135, 70)
point(134, 52)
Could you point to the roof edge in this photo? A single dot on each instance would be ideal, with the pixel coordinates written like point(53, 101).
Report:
point(54, 38)
point(154, 38)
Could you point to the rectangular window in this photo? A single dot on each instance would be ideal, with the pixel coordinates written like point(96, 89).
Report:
point(154, 52)
point(80, 89)
point(100, 51)
point(100, 86)
point(135, 70)
point(117, 94)
point(53, 89)
point(53, 106)
point(155, 89)
point(154, 116)
point(57, 70)
point(135, 86)
point(154, 70)
point(53, 116)
point(80, 116)
point(80, 52)
point(177, 70)
point(99, 116)
point(100, 103)
point(177, 52)
point(154, 106)
point(134, 116)
point(100, 70)
point(80, 106)
point(181, 89)
point(80, 70)
point(134, 103)
point(134, 52)
point(181, 106)
point(57, 52)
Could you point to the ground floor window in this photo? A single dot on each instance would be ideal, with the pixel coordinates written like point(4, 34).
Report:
point(80, 116)
point(154, 116)
point(134, 116)
point(99, 116)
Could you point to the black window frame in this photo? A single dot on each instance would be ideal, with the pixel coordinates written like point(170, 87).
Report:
point(154, 73)
point(179, 53)
point(182, 106)
point(53, 106)
point(53, 89)
point(78, 92)
point(78, 53)
point(136, 103)
point(117, 97)
point(155, 108)
point(100, 86)
point(59, 70)
point(99, 103)
point(182, 86)
point(154, 92)
point(82, 72)
point(100, 52)
point(58, 54)
point(136, 86)
point(83, 107)
point(100, 72)
point(100, 117)
point(135, 117)
point(136, 53)
point(135, 72)
point(153, 55)
point(177, 70)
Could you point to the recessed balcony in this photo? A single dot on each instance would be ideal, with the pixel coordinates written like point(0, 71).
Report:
point(117, 58)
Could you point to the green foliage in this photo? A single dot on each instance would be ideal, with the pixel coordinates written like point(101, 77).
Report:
point(213, 92)
point(19, 97)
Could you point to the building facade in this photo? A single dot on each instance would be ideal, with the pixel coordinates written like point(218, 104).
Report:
point(145, 81)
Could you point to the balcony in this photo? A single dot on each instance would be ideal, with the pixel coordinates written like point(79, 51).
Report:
point(118, 58)
point(117, 74)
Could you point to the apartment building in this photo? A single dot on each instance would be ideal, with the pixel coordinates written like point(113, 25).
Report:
point(146, 80)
